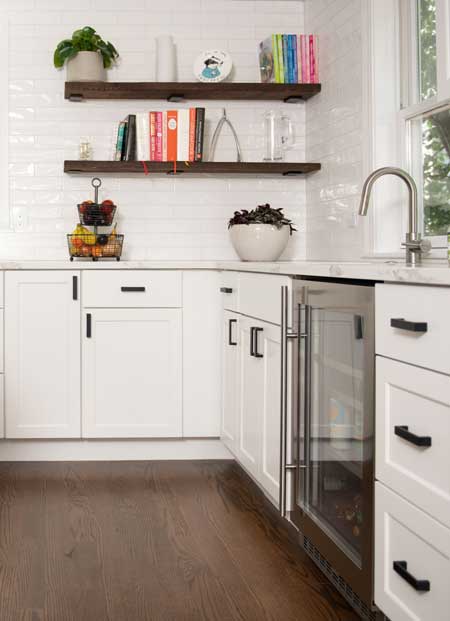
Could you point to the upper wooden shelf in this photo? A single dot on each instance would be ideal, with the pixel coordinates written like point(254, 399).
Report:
point(228, 168)
point(179, 91)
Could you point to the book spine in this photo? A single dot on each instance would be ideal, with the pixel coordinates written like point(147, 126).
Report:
point(294, 59)
point(119, 142)
point(152, 136)
point(183, 135)
point(291, 59)
point(124, 142)
point(130, 153)
point(276, 64)
point(172, 128)
point(316, 59)
point(159, 147)
point(199, 133)
point(299, 58)
point(285, 59)
point(311, 59)
point(142, 132)
point(280, 56)
point(191, 134)
point(305, 61)
point(164, 136)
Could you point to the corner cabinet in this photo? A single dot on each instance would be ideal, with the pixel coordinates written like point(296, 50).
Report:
point(132, 367)
point(42, 354)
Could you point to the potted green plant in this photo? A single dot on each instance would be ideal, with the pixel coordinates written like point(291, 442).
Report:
point(87, 56)
point(261, 234)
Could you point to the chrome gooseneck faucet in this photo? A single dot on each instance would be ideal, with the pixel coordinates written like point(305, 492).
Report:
point(416, 247)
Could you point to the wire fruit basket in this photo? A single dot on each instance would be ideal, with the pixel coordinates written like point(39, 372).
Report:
point(93, 214)
point(86, 244)
point(94, 246)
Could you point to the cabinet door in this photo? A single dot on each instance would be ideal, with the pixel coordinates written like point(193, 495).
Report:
point(132, 361)
point(269, 344)
point(230, 365)
point(42, 354)
point(251, 399)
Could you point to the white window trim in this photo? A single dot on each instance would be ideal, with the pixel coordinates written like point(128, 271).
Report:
point(4, 132)
point(385, 122)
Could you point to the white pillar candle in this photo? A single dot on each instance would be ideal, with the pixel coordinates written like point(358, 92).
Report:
point(165, 70)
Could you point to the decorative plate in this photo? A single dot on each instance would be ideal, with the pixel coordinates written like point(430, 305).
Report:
point(212, 66)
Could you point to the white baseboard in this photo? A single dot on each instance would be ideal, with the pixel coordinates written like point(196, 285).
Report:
point(111, 450)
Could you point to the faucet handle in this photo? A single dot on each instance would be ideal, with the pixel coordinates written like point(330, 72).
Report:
point(419, 245)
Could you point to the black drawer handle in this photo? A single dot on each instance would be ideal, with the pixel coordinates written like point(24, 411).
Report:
point(226, 290)
point(133, 289)
point(401, 568)
point(230, 332)
point(74, 287)
point(255, 342)
point(88, 325)
point(410, 326)
point(403, 432)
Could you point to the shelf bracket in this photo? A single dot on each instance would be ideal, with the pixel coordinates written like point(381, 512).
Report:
point(175, 98)
point(174, 172)
point(76, 98)
point(292, 173)
point(293, 100)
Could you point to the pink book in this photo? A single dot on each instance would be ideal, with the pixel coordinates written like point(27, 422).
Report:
point(164, 136)
point(159, 138)
point(299, 58)
point(311, 59)
point(316, 59)
point(152, 136)
point(305, 72)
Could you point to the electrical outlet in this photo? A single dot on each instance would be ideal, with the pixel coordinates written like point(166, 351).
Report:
point(20, 219)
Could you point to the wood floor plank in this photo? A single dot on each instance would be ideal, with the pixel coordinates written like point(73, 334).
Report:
point(150, 541)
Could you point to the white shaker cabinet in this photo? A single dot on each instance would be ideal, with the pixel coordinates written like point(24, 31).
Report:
point(132, 368)
point(259, 402)
point(42, 354)
point(230, 380)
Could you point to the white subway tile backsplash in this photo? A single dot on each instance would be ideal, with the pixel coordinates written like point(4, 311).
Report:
point(162, 218)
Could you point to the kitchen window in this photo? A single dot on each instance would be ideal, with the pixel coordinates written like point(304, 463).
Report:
point(409, 116)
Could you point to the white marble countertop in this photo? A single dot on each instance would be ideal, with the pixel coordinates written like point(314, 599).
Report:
point(432, 273)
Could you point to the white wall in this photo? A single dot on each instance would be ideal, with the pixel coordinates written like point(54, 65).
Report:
point(335, 132)
point(162, 218)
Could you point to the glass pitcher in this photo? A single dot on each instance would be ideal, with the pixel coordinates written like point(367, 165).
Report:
point(278, 135)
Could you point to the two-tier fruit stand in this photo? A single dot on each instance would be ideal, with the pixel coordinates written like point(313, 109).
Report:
point(92, 244)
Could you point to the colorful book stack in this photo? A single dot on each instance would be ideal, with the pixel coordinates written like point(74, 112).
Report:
point(289, 59)
point(161, 136)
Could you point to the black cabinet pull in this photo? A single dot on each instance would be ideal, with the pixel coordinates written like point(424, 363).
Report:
point(403, 432)
point(88, 325)
point(255, 342)
point(401, 568)
point(226, 290)
point(133, 289)
point(74, 287)
point(420, 327)
point(230, 332)
point(252, 342)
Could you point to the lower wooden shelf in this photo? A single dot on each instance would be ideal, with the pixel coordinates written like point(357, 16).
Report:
point(216, 168)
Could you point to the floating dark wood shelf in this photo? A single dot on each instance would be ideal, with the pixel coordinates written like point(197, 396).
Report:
point(216, 168)
point(179, 91)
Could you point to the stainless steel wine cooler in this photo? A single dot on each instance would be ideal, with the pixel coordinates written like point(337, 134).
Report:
point(327, 431)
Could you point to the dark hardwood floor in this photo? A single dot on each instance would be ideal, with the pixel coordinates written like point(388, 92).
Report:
point(150, 541)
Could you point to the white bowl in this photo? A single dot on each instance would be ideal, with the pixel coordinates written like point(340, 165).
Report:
point(259, 242)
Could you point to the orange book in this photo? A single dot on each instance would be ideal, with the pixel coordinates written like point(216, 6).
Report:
point(152, 116)
point(172, 124)
point(191, 134)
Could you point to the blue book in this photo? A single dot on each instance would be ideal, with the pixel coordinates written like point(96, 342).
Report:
point(294, 59)
point(285, 58)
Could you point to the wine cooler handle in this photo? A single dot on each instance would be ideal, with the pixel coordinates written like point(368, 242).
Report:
point(286, 335)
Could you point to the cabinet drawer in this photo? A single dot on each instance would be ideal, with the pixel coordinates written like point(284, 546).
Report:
point(229, 290)
point(2, 276)
point(260, 296)
point(406, 535)
point(423, 336)
point(132, 289)
point(413, 435)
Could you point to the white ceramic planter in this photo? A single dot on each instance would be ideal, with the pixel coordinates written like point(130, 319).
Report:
point(86, 67)
point(259, 242)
